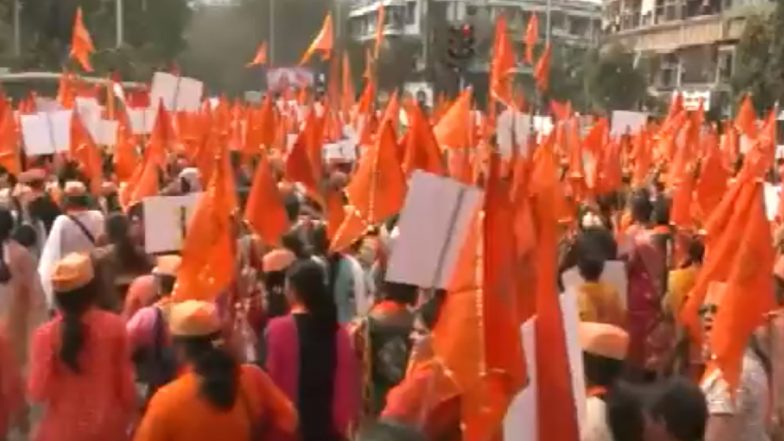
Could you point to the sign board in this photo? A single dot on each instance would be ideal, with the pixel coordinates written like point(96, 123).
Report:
point(691, 99)
point(142, 120)
point(614, 274)
point(46, 133)
point(166, 221)
point(89, 111)
point(342, 151)
point(421, 91)
point(772, 199)
point(107, 132)
point(512, 131)
point(627, 122)
point(282, 78)
point(433, 225)
point(180, 94)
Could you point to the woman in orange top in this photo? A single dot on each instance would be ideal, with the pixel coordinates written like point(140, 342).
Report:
point(216, 398)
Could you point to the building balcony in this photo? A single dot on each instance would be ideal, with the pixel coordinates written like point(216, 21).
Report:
point(672, 35)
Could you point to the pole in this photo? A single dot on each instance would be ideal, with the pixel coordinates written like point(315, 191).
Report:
point(118, 4)
point(272, 33)
point(549, 22)
point(17, 28)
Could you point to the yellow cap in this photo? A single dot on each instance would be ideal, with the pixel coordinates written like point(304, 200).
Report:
point(193, 318)
point(603, 340)
point(167, 265)
point(72, 272)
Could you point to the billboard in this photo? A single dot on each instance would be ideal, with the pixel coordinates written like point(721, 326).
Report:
point(281, 78)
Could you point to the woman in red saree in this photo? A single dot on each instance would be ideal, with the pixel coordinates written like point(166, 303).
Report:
point(646, 270)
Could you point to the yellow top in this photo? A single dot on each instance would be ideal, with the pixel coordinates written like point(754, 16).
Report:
point(679, 283)
point(600, 302)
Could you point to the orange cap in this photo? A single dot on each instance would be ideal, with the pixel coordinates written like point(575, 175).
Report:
point(193, 318)
point(167, 265)
point(72, 272)
point(278, 260)
point(603, 340)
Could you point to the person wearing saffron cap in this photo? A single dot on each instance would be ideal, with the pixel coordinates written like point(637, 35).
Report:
point(147, 329)
point(604, 351)
point(80, 368)
point(215, 398)
point(78, 230)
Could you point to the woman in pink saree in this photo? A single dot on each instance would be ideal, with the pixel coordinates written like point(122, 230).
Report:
point(310, 358)
point(646, 269)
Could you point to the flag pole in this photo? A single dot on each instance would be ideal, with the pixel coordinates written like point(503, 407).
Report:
point(272, 32)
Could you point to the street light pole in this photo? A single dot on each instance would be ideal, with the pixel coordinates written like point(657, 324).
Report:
point(118, 5)
point(272, 32)
point(17, 28)
point(548, 20)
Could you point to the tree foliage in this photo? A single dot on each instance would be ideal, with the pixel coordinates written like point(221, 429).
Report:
point(613, 81)
point(754, 67)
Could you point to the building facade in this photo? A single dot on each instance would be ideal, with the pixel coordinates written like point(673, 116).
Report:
point(689, 44)
point(416, 31)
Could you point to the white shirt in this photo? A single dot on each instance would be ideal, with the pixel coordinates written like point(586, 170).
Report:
point(595, 428)
point(67, 237)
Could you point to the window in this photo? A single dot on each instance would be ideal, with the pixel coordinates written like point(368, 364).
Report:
point(725, 62)
point(411, 13)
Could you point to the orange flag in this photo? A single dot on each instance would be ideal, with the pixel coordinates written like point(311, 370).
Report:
point(542, 70)
point(299, 168)
point(352, 228)
point(502, 63)
point(9, 140)
point(85, 152)
point(477, 335)
point(261, 56)
point(531, 35)
point(125, 154)
point(66, 93)
point(81, 43)
point(713, 178)
point(208, 250)
point(380, 24)
point(557, 417)
point(265, 210)
point(336, 214)
point(749, 287)
point(453, 129)
point(746, 119)
point(323, 42)
point(378, 188)
point(421, 148)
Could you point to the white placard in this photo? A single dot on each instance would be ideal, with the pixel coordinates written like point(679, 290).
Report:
point(433, 225)
point(177, 93)
point(521, 421)
point(142, 120)
point(89, 111)
point(614, 273)
point(342, 151)
point(626, 121)
point(165, 221)
point(513, 129)
point(46, 133)
point(571, 321)
point(107, 132)
point(772, 200)
point(43, 104)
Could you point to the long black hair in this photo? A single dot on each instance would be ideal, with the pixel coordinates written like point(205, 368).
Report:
point(117, 227)
point(72, 305)
point(308, 280)
point(6, 228)
point(217, 368)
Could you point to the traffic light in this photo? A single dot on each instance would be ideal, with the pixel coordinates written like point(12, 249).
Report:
point(461, 44)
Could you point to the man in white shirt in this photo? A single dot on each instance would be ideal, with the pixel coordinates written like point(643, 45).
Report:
point(78, 230)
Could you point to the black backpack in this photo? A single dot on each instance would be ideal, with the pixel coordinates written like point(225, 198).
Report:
point(156, 365)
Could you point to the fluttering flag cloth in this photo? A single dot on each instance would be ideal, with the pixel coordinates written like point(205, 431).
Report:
point(323, 42)
point(261, 56)
point(81, 43)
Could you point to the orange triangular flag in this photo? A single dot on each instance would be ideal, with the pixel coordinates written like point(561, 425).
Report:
point(452, 130)
point(378, 187)
point(746, 119)
point(542, 69)
point(9, 140)
point(84, 151)
point(349, 93)
point(557, 416)
point(502, 63)
point(336, 214)
point(264, 210)
point(261, 56)
point(66, 94)
point(531, 35)
point(749, 290)
point(350, 230)
point(208, 251)
point(421, 148)
point(713, 178)
point(81, 43)
point(323, 42)
point(125, 154)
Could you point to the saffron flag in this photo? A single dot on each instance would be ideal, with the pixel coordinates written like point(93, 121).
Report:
point(323, 42)
point(261, 56)
point(81, 43)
